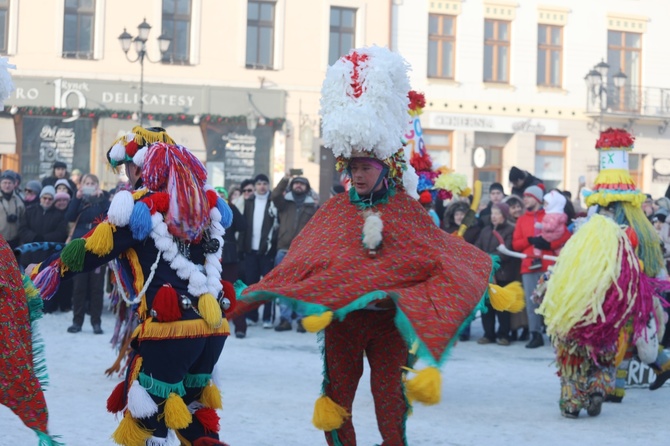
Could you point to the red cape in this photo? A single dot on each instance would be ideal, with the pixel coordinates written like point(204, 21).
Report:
point(435, 279)
point(20, 390)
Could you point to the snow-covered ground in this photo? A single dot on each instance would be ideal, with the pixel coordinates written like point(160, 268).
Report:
point(491, 395)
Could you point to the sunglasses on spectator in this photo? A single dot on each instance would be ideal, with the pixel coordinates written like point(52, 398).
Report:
point(247, 190)
point(47, 198)
point(28, 191)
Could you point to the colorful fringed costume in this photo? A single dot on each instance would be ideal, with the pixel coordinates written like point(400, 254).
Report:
point(373, 271)
point(164, 242)
point(22, 367)
point(599, 300)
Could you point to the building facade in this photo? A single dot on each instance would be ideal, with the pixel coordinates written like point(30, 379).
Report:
point(505, 84)
point(239, 83)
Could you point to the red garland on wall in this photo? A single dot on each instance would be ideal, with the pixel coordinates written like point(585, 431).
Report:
point(128, 115)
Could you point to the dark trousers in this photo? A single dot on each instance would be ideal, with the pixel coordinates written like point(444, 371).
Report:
point(489, 323)
point(170, 361)
point(255, 266)
point(88, 287)
point(61, 300)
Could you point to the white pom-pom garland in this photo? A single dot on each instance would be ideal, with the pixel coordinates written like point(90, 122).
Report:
point(138, 159)
point(121, 208)
point(118, 152)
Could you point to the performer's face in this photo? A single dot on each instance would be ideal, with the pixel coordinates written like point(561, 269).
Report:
point(364, 175)
point(133, 172)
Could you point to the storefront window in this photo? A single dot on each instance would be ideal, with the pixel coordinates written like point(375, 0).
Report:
point(438, 144)
point(342, 32)
point(176, 25)
point(260, 34)
point(550, 161)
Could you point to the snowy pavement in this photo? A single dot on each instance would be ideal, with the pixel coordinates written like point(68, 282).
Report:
point(492, 395)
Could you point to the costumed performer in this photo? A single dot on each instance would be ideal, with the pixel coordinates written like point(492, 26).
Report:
point(22, 367)
point(615, 191)
point(371, 269)
point(598, 299)
point(165, 241)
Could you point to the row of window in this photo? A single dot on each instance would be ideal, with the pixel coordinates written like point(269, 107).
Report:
point(79, 30)
point(623, 51)
point(549, 159)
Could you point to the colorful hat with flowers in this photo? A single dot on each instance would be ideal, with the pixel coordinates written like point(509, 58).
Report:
point(614, 183)
point(440, 183)
point(364, 111)
point(133, 145)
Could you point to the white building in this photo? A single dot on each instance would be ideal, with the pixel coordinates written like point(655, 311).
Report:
point(509, 77)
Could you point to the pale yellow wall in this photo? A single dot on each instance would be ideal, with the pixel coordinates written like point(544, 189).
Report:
point(302, 26)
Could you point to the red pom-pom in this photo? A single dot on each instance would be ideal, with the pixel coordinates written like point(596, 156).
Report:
point(425, 197)
point(209, 419)
point(421, 162)
point(117, 400)
point(131, 148)
point(542, 186)
point(416, 100)
point(166, 304)
point(229, 292)
point(212, 197)
point(632, 236)
point(158, 202)
point(613, 138)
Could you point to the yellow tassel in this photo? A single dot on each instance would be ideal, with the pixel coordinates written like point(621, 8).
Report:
point(210, 310)
point(476, 198)
point(328, 415)
point(136, 369)
point(510, 298)
point(622, 346)
point(211, 397)
point(316, 323)
point(184, 441)
point(176, 413)
point(130, 433)
point(101, 241)
point(143, 309)
point(519, 297)
point(425, 387)
point(140, 193)
point(178, 329)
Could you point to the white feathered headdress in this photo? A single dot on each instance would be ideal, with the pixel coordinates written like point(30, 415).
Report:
point(364, 103)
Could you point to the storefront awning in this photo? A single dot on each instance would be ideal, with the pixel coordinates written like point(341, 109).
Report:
point(189, 136)
point(7, 136)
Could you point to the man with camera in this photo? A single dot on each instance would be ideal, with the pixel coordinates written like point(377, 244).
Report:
point(12, 209)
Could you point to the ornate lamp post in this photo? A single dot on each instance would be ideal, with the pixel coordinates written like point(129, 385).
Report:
point(596, 83)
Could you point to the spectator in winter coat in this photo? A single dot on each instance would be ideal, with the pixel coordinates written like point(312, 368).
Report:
point(498, 232)
point(64, 185)
point(230, 258)
point(457, 213)
point(521, 180)
point(296, 207)
point(516, 208)
point(259, 246)
point(87, 208)
point(59, 172)
point(526, 239)
point(553, 225)
point(496, 195)
point(12, 209)
point(31, 194)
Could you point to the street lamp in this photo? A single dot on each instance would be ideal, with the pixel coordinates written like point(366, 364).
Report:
point(596, 82)
point(140, 43)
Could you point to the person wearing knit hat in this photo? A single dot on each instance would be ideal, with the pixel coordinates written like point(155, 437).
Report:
point(496, 195)
point(64, 185)
point(163, 243)
point(48, 191)
point(499, 232)
point(521, 180)
point(528, 240)
point(413, 290)
point(61, 200)
point(31, 193)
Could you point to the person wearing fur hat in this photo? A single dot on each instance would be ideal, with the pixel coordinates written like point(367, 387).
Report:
point(59, 173)
point(164, 242)
point(528, 240)
point(522, 180)
point(358, 274)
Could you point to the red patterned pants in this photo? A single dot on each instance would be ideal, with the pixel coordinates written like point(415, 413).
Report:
point(375, 334)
